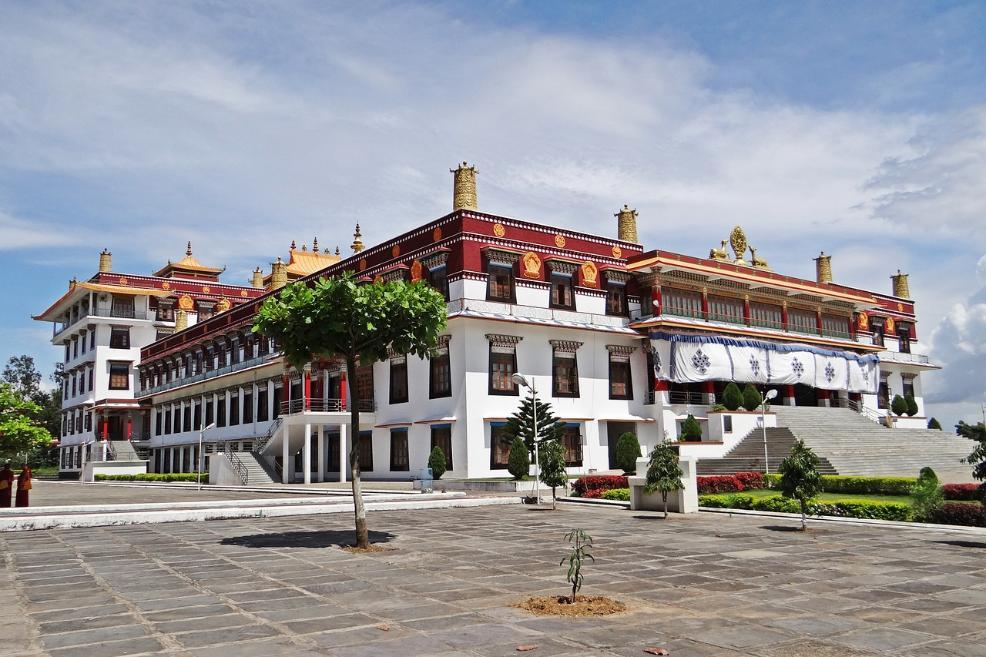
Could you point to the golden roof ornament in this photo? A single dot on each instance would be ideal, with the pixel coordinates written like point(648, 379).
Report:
point(901, 287)
point(737, 241)
point(357, 244)
point(315, 245)
point(292, 247)
point(181, 320)
point(258, 278)
point(464, 187)
point(756, 260)
point(188, 248)
point(338, 252)
point(626, 224)
point(823, 268)
point(105, 261)
point(720, 253)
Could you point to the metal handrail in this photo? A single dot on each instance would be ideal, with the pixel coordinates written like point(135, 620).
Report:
point(261, 443)
point(865, 411)
point(208, 374)
point(293, 406)
point(238, 466)
point(682, 397)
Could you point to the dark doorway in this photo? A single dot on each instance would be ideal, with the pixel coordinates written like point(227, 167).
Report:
point(805, 395)
point(613, 432)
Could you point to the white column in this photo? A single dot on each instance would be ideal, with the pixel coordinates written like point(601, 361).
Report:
point(270, 399)
point(285, 466)
point(343, 459)
point(171, 459)
point(306, 454)
point(322, 442)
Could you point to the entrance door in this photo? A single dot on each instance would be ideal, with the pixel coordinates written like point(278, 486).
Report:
point(613, 432)
point(115, 427)
point(317, 388)
point(805, 395)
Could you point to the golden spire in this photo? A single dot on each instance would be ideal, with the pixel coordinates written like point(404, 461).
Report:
point(338, 252)
point(464, 188)
point(901, 287)
point(626, 224)
point(357, 240)
point(105, 261)
point(258, 279)
point(823, 268)
point(181, 320)
point(278, 275)
point(293, 247)
point(315, 245)
point(188, 249)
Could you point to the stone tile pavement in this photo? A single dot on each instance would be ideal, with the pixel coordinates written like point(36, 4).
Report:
point(705, 585)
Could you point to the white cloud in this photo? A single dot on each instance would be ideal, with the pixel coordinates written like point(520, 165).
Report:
point(25, 234)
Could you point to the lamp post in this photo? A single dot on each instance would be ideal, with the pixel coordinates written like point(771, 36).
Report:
point(198, 466)
point(521, 380)
point(763, 426)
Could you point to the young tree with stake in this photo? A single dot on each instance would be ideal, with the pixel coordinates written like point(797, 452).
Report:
point(800, 479)
point(553, 467)
point(664, 472)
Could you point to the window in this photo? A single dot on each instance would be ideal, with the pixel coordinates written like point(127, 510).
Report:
point(441, 436)
point(366, 451)
point(221, 410)
point(120, 337)
point(186, 420)
point(571, 441)
point(278, 392)
point(123, 306)
point(91, 370)
point(766, 315)
point(651, 376)
point(503, 364)
point(904, 337)
point(158, 422)
point(499, 446)
point(877, 332)
point(75, 390)
point(616, 299)
point(726, 309)
point(398, 450)
point(501, 283)
point(88, 421)
point(727, 423)
point(802, 321)
point(92, 340)
point(398, 380)
point(82, 341)
point(620, 384)
point(165, 312)
point(908, 380)
point(167, 421)
point(75, 347)
point(119, 376)
point(561, 291)
point(234, 409)
point(440, 371)
point(883, 394)
point(835, 326)
point(248, 407)
point(364, 382)
point(564, 369)
point(684, 303)
point(438, 277)
point(262, 403)
point(197, 415)
point(209, 411)
point(68, 351)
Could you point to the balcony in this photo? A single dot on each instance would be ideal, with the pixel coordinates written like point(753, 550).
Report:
point(907, 359)
point(294, 406)
point(210, 374)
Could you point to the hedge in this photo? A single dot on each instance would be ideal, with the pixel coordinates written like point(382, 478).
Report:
point(847, 509)
point(150, 476)
point(583, 485)
point(964, 492)
point(857, 485)
point(957, 513)
point(619, 494)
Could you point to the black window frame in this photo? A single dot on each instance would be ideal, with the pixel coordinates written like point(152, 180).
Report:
point(514, 390)
point(210, 410)
point(399, 446)
point(438, 279)
point(436, 376)
point(560, 357)
point(448, 452)
point(126, 368)
point(221, 410)
point(619, 292)
point(565, 284)
point(398, 380)
point(262, 414)
point(496, 267)
point(619, 362)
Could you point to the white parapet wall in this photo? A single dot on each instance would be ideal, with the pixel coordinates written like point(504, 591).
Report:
point(93, 468)
point(681, 501)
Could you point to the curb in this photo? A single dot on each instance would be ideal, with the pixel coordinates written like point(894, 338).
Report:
point(960, 529)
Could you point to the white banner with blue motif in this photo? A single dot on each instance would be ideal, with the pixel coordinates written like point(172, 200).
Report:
point(695, 358)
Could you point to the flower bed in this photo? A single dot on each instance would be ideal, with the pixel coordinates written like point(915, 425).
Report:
point(957, 513)
point(964, 492)
point(618, 494)
point(595, 485)
point(733, 483)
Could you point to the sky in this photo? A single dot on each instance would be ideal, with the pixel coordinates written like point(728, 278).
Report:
point(854, 128)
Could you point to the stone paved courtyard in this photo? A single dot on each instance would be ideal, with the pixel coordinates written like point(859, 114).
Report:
point(700, 585)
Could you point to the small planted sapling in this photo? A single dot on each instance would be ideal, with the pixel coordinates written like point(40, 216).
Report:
point(581, 544)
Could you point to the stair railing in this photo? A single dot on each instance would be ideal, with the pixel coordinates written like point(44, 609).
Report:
point(866, 412)
point(238, 466)
point(261, 443)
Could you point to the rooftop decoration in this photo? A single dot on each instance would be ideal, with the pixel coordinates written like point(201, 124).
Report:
point(739, 244)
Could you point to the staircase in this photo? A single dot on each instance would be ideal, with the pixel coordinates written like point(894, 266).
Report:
point(747, 456)
point(256, 469)
point(851, 444)
point(122, 450)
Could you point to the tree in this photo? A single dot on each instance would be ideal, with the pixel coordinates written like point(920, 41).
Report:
point(927, 495)
point(663, 472)
point(800, 479)
point(581, 544)
point(20, 430)
point(691, 430)
point(521, 423)
point(627, 452)
point(519, 459)
point(338, 316)
point(437, 462)
point(751, 397)
point(732, 398)
point(898, 406)
point(934, 424)
point(911, 404)
point(22, 373)
point(552, 472)
point(977, 459)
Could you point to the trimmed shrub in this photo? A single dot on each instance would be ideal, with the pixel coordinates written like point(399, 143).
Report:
point(778, 504)
point(583, 485)
point(519, 459)
point(726, 501)
point(732, 398)
point(867, 485)
point(719, 484)
point(691, 430)
point(958, 513)
point(751, 480)
point(781, 505)
point(618, 494)
point(153, 476)
point(718, 408)
point(751, 397)
point(436, 461)
point(934, 424)
point(773, 480)
point(875, 510)
point(594, 494)
point(912, 405)
point(898, 406)
point(627, 452)
point(963, 492)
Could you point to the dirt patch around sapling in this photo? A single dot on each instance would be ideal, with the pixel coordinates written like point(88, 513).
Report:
point(584, 605)
point(352, 549)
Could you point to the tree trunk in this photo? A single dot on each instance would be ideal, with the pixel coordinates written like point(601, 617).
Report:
point(804, 519)
point(362, 533)
point(553, 498)
point(664, 498)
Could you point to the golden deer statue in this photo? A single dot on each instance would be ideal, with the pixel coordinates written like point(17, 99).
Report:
point(757, 260)
point(720, 253)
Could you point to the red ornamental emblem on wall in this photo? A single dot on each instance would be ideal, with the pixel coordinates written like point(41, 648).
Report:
point(590, 275)
point(415, 271)
point(863, 322)
point(617, 252)
point(437, 233)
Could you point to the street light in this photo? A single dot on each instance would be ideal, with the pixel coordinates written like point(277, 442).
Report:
point(763, 426)
point(198, 466)
point(521, 380)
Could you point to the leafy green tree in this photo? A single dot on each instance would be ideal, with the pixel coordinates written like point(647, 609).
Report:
point(927, 495)
point(664, 472)
point(751, 397)
point(20, 430)
point(581, 544)
point(691, 430)
point(977, 459)
point(521, 423)
point(338, 316)
point(437, 462)
point(519, 459)
point(898, 406)
point(800, 479)
point(627, 452)
point(933, 423)
point(552, 473)
point(732, 398)
point(22, 373)
point(911, 404)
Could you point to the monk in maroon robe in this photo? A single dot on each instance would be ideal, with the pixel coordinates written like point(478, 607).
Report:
point(6, 485)
point(24, 486)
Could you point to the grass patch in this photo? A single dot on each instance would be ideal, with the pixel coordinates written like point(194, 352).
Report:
point(766, 493)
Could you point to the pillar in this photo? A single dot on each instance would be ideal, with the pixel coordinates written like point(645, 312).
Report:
point(106, 428)
point(784, 316)
point(171, 460)
point(322, 452)
point(130, 427)
point(705, 303)
point(747, 313)
point(709, 390)
point(656, 300)
point(344, 391)
point(343, 459)
point(818, 320)
point(789, 395)
point(285, 448)
point(306, 451)
point(308, 394)
point(823, 398)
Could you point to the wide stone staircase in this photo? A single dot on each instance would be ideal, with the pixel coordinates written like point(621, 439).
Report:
point(747, 456)
point(852, 444)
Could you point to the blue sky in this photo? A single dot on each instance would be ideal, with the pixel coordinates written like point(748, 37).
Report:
point(857, 128)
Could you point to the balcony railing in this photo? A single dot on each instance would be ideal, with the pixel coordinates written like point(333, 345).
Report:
point(293, 406)
point(901, 357)
point(682, 397)
point(210, 374)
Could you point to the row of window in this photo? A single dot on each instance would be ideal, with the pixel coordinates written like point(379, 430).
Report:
point(439, 378)
point(501, 282)
point(571, 441)
point(206, 359)
point(222, 408)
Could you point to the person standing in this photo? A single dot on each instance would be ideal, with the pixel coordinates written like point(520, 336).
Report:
point(24, 486)
point(6, 485)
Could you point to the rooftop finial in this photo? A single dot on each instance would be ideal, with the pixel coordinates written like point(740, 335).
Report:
point(315, 244)
point(338, 252)
point(464, 188)
point(626, 224)
point(188, 249)
point(357, 240)
point(823, 268)
point(105, 261)
point(293, 247)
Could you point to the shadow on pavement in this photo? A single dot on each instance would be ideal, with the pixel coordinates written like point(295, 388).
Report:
point(323, 539)
point(965, 544)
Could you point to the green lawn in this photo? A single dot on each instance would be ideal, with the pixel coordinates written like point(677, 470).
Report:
point(828, 497)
